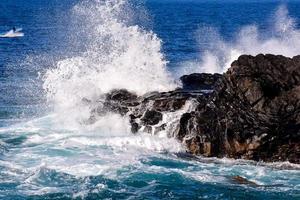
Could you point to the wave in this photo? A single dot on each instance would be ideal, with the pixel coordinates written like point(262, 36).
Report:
point(116, 54)
point(281, 38)
point(57, 155)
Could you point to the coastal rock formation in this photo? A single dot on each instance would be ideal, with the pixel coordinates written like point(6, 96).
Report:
point(251, 112)
point(202, 81)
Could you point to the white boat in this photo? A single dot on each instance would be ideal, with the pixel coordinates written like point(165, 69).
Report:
point(13, 34)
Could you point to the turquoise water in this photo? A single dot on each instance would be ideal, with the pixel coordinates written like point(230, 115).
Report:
point(40, 161)
point(82, 49)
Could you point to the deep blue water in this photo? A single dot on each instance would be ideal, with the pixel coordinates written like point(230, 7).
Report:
point(43, 158)
point(179, 21)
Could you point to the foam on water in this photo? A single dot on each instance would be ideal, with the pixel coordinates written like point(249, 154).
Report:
point(281, 38)
point(60, 154)
point(78, 153)
point(116, 54)
point(52, 160)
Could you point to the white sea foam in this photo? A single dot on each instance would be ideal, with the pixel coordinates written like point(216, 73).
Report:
point(82, 153)
point(125, 56)
point(101, 151)
point(117, 55)
point(282, 38)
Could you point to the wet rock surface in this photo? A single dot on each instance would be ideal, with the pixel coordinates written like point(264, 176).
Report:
point(201, 81)
point(251, 112)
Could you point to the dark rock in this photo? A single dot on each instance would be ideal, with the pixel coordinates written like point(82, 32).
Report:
point(121, 96)
point(198, 81)
point(170, 101)
point(119, 101)
point(243, 181)
point(252, 114)
point(253, 111)
point(151, 117)
point(134, 127)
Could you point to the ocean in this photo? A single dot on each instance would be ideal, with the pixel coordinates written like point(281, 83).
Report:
point(81, 49)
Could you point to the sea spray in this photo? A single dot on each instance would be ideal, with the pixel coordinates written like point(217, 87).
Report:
point(282, 37)
point(41, 160)
point(118, 55)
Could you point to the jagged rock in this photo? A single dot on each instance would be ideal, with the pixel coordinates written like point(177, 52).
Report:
point(121, 95)
point(170, 101)
point(119, 101)
point(199, 81)
point(252, 114)
point(252, 111)
point(151, 117)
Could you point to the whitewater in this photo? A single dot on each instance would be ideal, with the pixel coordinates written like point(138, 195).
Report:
point(58, 155)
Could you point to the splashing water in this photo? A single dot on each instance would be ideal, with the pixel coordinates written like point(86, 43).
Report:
point(57, 157)
point(49, 162)
point(118, 55)
point(282, 38)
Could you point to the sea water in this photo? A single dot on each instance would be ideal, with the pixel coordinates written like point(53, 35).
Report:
point(81, 49)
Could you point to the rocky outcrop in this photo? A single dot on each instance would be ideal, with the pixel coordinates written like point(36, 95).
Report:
point(250, 112)
point(202, 81)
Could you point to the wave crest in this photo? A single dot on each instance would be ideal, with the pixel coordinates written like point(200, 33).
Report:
point(281, 38)
point(116, 54)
